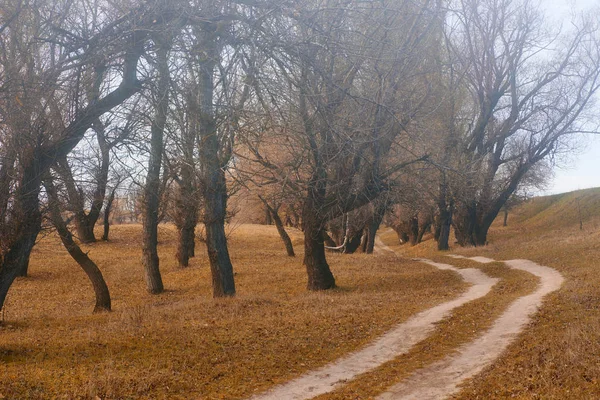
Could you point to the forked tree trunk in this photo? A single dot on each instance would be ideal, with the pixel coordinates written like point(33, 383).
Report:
point(103, 302)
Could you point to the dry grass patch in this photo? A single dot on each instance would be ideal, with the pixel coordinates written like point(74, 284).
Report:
point(184, 344)
point(465, 324)
point(557, 356)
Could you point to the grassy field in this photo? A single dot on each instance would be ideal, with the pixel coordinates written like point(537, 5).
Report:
point(558, 356)
point(183, 344)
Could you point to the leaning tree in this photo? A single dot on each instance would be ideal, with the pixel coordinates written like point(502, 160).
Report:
point(45, 50)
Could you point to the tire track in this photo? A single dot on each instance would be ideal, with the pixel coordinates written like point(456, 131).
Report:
point(442, 379)
point(395, 342)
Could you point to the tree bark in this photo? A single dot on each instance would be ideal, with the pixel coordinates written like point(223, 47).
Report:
point(285, 238)
point(215, 199)
point(353, 242)
point(413, 230)
point(103, 301)
point(28, 247)
point(29, 218)
point(212, 175)
point(423, 228)
point(150, 257)
point(445, 222)
point(364, 241)
point(107, 210)
point(317, 269)
point(186, 217)
point(374, 224)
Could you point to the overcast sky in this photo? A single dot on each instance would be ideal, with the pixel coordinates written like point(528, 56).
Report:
point(584, 170)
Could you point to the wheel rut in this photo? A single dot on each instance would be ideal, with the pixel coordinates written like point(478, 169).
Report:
point(395, 342)
point(440, 380)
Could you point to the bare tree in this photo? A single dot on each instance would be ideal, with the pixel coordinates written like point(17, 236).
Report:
point(530, 92)
point(103, 302)
point(163, 42)
point(60, 46)
point(353, 81)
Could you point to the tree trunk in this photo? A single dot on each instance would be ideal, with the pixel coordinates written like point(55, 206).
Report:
point(282, 233)
point(213, 183)
point(215, 200)
point(505, 221)
point(30, 219)
point(445, 222)
point(186, 217)
point(413, 230)
point(186, 242)
point(107, 210)
point(24, 260)
point(319, 274)
point(425, 227)
point(85, 228)
point(465, 225)
point(103, 302)
point(353, 242)
point(374, 224)
point(150, 258)
point(364, 240)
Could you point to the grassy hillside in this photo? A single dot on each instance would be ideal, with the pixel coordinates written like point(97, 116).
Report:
point(560, 210)
point(557, 355)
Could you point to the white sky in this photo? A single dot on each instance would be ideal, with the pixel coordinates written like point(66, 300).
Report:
point(584, 170)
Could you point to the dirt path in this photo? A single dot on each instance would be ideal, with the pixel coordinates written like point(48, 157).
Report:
point(441, 380)
point(392, 344)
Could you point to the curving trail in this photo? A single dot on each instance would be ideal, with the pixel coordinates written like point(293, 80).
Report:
point(441, 380)
point(392, 344)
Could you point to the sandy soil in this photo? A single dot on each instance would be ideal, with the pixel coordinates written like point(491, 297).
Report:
point(442, 379)
point(394, 343)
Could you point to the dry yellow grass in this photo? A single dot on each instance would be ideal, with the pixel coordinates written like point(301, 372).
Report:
point(183, 344)
point(465, 323)
point(557, 357)
point(558, 354)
